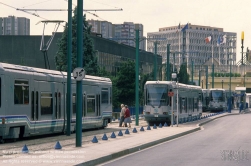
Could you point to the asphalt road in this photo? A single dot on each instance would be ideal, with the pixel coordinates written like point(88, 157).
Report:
point(223, 142)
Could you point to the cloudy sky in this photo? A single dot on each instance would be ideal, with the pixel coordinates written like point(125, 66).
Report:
point(232, 15)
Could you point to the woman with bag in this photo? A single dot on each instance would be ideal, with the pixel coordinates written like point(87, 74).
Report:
point(127, 117)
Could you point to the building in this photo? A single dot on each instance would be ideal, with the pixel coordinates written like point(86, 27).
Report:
point(25, 50)
point(187, 44)
point(122, 33)
point(12, 25)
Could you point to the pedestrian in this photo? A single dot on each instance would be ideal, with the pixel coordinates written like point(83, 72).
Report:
point(122, 114)
point(127, 117)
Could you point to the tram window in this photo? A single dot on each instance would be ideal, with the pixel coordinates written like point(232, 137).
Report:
point(90, 104)
point(104, 96)
point(110, 95)
point(21, 92)
point(74, 103)
point(46, 103)
point(59, 105)
point(0, 91)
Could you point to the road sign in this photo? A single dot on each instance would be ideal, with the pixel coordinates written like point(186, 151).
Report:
point(170, 94)
point(79, 73)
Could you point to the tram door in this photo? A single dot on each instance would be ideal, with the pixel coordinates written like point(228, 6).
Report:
point(46, 106)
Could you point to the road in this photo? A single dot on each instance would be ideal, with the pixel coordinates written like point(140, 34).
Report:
point(223, 142)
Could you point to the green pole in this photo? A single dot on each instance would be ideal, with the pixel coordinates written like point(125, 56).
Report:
point(212, 75)
point(137, 79)
point(192, 72)
point(155, 61)
point(79, 64)
point(199, 77)
point(69, 50)
point(173, 62)
point(206, 77)
point(168, 63)
point(230, 81)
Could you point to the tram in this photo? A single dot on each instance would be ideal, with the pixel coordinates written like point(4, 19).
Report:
point(33, 101)
point(158, 106)
point(217, 100)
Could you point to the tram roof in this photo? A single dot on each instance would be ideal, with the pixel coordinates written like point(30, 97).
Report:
point(6, 66)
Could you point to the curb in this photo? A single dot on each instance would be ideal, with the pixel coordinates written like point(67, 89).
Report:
point(135, 149)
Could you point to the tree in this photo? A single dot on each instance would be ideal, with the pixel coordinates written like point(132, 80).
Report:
point(124, 85)
point(89, 59)
point(183, 75)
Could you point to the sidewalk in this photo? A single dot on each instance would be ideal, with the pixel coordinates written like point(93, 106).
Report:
point(105, 150)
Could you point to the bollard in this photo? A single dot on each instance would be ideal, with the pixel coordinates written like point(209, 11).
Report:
point(154, 126)
point(120, 133)
point(127, 131)
point(113, 135)
point(104, 137)
point(160, 125)
point(134, 130)
point(58, 146)
point(25, 149)
point(94, 140)
point(142, 128)
point(165, 125)
point(148, 127)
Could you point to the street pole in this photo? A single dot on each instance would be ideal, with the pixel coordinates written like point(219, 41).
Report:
point(199, 77)
point(212, 75)
point(177, 88)
point(230, 81)
point(137, 79)
point(79, 64)
point(168, 63)
point(69, 50)
point(192, 72)
point(242, 41)
point(222, 84)
point(155, 61)
point(206, 77)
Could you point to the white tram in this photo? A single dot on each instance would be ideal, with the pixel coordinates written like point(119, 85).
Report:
point(33, 101)
point(158, 105)
point(217, 100)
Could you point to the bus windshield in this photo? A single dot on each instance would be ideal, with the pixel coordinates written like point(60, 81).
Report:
point(157, 96)
point(217, 96)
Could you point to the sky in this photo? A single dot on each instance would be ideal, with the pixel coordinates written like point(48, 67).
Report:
point(231, 15)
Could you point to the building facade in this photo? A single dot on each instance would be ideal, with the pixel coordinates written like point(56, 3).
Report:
point(122, 33)
point(25, 50)
point(12, 25)
point(187, 44)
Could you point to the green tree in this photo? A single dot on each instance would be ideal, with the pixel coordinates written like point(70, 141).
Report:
point(89, 59)
point(124, 85)
point(183, 75)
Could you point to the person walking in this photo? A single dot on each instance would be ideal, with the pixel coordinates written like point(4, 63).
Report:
point(122, 114)
point(127, 117)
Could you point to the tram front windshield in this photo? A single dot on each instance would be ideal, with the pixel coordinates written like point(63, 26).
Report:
point(217, 96)
point(157, 96)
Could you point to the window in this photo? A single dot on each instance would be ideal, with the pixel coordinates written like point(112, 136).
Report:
point(74, 103)
point(46, 103)
point(104, 96)
point(21, 92)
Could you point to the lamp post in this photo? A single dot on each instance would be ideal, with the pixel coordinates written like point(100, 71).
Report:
point(222, 84)
point(174, 76)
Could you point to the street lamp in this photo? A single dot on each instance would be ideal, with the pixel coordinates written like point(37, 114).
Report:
point(222, 84)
